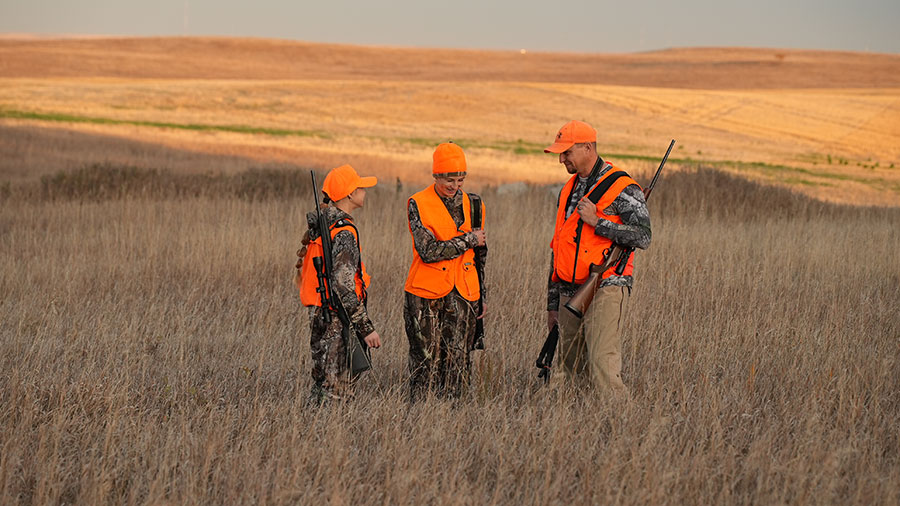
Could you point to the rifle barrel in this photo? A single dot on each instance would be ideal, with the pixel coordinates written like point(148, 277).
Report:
point(325, 238)
point(658, 171)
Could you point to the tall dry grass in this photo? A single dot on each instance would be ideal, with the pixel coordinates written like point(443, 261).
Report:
point(152, 350)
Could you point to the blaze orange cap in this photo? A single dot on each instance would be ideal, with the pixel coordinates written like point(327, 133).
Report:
point(343, 180)
point(448, 158)
point(573, 132)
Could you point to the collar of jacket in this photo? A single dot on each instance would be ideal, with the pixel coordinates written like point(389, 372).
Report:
point(332, 216)
point(454, 200)
point(600, 168)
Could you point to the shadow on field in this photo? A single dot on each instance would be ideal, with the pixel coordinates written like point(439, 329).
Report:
point(101, 182)
point(30, 152)
point(698, 191)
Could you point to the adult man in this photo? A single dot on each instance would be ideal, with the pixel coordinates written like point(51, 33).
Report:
point(445, 280)
point(346, 192)
point(598, 206)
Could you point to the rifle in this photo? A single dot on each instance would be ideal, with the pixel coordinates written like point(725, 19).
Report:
point(477, 222)
point(357, 353)
point(545, 358)
point(616, 255)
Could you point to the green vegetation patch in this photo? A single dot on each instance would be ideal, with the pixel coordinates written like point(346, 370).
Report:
point(522, 147)
point(201, 127)
point(784, 173)
point(806, 182)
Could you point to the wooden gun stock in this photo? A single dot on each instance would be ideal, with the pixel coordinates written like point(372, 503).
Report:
point(582, 299)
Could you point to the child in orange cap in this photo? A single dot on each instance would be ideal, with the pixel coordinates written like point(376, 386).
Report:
point(445, 285)
point(343, 192)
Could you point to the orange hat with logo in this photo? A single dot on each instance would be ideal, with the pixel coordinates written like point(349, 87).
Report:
point(448, 158)
point(343, 180)
point(573, 132)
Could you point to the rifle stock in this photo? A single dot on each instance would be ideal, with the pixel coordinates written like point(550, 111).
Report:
point(583, 297)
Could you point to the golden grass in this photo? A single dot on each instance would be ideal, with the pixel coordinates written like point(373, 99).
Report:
point(826, 134)
point(828, 122)
point(152, 350)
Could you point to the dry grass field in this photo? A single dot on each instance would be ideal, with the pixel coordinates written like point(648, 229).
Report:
point(153, 349)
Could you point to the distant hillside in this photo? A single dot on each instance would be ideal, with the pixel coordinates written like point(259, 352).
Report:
point(230, 58)
point(824, 123)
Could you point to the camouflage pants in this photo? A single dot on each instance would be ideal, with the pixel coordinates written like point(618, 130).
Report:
point(330, 370)
point(440, 334)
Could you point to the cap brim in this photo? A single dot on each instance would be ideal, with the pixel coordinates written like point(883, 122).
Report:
point(558, 147)
point(367, 182)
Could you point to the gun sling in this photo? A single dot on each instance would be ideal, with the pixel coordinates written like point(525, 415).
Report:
point(594, 196)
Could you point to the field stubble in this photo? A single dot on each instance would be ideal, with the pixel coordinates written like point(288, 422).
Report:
point(806, 138)
point(154, 351)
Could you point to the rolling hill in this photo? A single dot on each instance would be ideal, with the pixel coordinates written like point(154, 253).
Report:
point(827, 123)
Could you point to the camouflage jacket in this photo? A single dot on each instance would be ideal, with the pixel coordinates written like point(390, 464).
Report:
point(432, 250)
point(634, 231)
point(345, 263)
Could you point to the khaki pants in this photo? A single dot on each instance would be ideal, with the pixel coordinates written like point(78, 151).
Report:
point(592, 345)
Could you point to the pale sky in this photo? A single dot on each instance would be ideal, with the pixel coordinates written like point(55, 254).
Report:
point(595, 26)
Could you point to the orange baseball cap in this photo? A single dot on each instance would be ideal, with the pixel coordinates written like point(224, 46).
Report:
point(448, 158)
point(343, 180)
point(573, 132)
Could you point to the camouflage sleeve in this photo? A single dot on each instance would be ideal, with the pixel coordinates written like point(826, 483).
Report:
point(429, 248)
point(634, 231)
point(552, 289)
point(312, 223)
point(345, 255)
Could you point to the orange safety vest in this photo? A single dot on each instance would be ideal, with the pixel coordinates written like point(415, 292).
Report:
point(575, 245)
point(435, 280)
point(308, 280)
